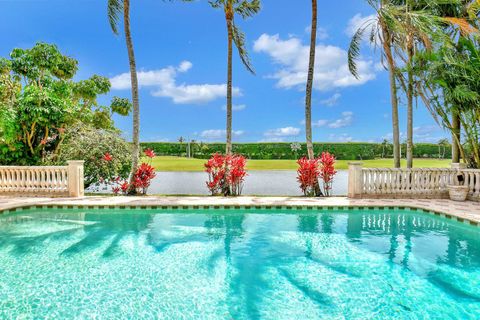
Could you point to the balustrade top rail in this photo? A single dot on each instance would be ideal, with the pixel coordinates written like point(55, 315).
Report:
point(415, 182)
point(43, 180)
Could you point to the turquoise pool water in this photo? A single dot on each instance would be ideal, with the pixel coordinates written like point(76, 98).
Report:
point(237, 264)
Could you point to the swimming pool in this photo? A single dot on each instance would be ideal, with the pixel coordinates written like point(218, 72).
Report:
point(237, 264)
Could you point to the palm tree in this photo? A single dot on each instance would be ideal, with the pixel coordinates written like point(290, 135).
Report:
point(311, 69)
point(244, 8)
point(115, 9)
point(382, 33)
point(417, 25)
point(385, 145)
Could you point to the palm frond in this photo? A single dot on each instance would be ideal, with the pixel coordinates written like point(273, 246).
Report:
point(465, 27)
point(354, 51)
point(239, 40)
point(247, 8)
point(114, 11)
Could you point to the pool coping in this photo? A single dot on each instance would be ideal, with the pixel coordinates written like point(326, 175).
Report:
point(467, 212)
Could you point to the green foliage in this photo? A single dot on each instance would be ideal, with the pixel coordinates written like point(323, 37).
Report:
point(267, 151)
point(245, 9)
point(121, 106)
point(90, 144)
point(451, 85)
point(39, 103)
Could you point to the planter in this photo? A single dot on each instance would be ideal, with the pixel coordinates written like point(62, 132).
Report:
point(458, 193)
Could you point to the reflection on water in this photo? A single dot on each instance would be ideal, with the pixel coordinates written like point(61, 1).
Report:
point(242, 264)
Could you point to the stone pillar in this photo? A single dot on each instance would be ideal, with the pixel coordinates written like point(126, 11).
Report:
point(75, 178)
point(459, 166)
point(355, 179)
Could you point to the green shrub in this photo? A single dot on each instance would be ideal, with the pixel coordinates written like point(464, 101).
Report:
point(267, 151)
point(90, 145)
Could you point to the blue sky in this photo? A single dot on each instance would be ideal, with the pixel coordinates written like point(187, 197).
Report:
point(181, 59)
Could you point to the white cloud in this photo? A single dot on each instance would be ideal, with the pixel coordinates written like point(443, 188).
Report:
point(322, 33)
point(235, 107)
point(163, 82)
point(282, 132)
point(425, 133)
point(320, 123)
point(331, 101)
point(331, 68)
point(358, 21)
point(344, 121)
point(185, 66)
point(218, 133)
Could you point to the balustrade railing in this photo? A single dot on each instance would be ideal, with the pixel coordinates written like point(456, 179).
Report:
point(43, 180)
point(410, 183)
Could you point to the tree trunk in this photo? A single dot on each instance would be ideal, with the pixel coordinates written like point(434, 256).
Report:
point(308, 95)
point(136, 105)
point(410, 104)
point(387, 47)
point(456, 128)
point(229, 17)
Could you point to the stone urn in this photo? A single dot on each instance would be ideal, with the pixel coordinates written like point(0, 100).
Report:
point(458, 193)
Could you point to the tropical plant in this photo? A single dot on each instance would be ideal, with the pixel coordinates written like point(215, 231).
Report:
point(115, 9)
point(385, 146)
point(310, 170)
point(105, 152)
point(307, 175)
point(226, 174)
point(311, 72)
point(418, 27)
point(382, 33)
point(246, 9)
point(451, 86)
point(327, 171)
point(40, 103)
point(443, 144)
point(143, 177)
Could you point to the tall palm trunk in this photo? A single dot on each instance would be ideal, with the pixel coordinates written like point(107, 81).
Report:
point(134, 82)
point(308, 95)
point(229, 17)
point(455, 137)
point(387, 46)
point(410, 53)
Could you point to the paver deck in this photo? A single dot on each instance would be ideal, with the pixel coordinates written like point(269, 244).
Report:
point(468, 211)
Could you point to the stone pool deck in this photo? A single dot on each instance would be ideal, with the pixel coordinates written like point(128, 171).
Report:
point(468, 212)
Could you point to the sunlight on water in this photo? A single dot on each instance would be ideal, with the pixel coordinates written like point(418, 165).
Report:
point(237, 264)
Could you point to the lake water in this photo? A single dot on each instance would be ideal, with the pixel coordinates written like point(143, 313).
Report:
point(271, 183)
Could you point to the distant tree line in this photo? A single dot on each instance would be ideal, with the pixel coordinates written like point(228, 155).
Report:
point(284, 150)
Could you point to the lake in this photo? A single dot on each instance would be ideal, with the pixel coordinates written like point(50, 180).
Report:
point(271, 183)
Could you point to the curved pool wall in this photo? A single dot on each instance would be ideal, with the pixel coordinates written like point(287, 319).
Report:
point(253, 262)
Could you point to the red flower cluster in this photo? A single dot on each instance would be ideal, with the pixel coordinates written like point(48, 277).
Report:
point(311, 170)
point(143, 177)
point(149, 153)
point(226, 174)
point(327, 171)
point(107, 157)
point(307, 175)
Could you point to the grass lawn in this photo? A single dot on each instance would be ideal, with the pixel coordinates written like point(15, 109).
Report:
point(185, 164)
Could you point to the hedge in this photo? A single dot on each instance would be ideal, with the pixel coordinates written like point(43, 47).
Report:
point(283, 150)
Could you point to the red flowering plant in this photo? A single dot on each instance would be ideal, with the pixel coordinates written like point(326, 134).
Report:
point(327, 171)
point(307, 175)
point(310, 170)
point(226, 174)
point(142, 178)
